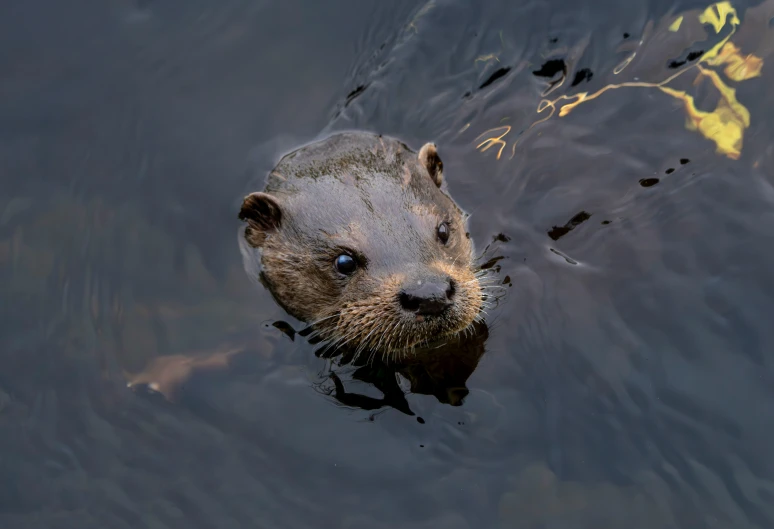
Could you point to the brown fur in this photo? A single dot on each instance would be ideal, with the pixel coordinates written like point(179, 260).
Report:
point(372, 197)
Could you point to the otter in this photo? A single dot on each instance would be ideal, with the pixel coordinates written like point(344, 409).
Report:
point(357, 236)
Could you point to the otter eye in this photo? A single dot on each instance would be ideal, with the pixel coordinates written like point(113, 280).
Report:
point(443, 232)
point(345, 264)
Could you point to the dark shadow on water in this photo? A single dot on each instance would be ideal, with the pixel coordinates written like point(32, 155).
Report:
point(502, 72)
point(440, 371)
point(557, 232)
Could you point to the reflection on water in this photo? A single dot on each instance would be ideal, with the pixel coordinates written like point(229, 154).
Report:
point(438, 370)
point(624, 379)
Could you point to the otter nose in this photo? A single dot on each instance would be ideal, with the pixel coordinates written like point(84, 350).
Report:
point(428, 298)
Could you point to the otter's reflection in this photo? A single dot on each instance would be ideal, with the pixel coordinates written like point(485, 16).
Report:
point(440, 370)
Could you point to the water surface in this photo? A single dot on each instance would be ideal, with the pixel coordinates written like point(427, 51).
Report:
point(627, 378)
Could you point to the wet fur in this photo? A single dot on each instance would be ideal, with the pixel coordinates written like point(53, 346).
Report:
point(373, 197)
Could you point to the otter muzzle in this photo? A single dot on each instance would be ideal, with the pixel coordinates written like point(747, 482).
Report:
point(428, 298)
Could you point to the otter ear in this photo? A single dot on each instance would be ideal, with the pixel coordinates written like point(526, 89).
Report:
point(261, 211)
point(428, 157)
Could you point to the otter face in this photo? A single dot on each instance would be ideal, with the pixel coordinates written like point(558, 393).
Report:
point(358, 239)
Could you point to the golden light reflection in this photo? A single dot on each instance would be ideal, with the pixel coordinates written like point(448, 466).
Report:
point(675, 26)
point(725, 125)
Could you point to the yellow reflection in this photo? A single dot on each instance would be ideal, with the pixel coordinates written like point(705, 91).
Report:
point(725, 125)
point(676, 24)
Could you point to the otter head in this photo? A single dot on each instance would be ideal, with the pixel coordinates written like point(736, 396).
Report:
point(358, 237)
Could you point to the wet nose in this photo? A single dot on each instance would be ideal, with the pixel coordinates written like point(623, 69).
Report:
point(428, 298)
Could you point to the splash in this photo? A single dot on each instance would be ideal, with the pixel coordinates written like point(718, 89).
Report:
point(725, 125)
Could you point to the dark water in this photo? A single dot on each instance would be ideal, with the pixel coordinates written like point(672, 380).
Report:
point(628, 376)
